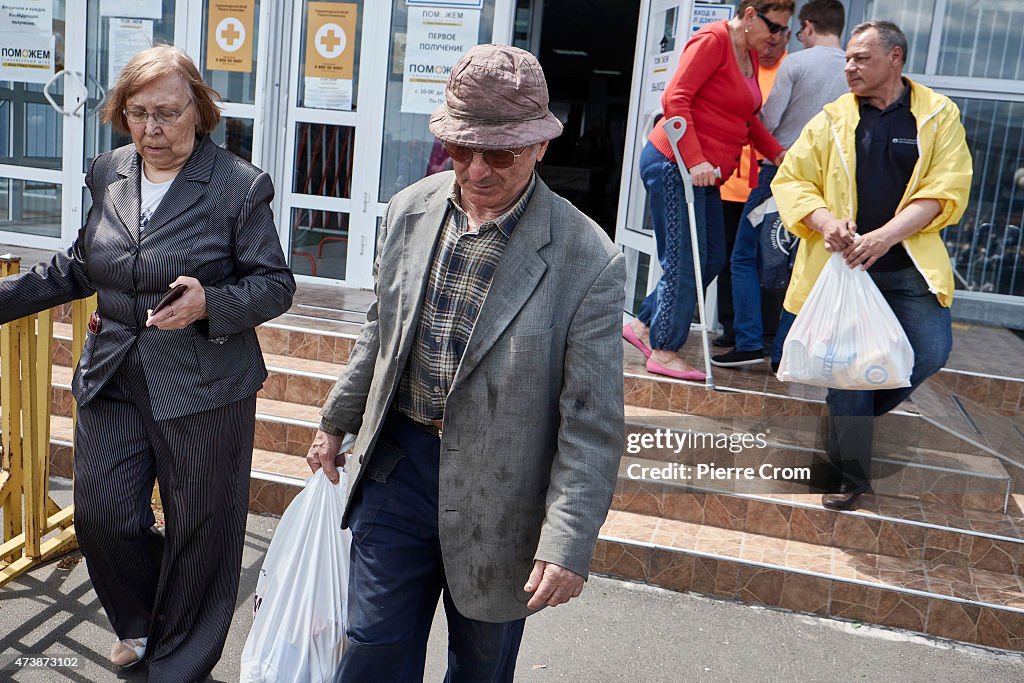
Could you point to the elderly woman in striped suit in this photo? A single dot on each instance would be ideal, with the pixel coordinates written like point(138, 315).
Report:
point(170, 394)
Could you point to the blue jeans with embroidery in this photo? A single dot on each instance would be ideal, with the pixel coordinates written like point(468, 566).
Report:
point(668, 310)
point(851, 413)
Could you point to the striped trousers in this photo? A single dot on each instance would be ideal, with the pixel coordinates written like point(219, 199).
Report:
point(179, 587)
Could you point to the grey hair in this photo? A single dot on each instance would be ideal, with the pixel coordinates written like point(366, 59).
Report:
point(889, 35)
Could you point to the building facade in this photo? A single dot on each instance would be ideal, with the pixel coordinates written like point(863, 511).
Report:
point(333, 98)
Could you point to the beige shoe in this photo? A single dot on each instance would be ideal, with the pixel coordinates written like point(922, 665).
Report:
point(125, 654)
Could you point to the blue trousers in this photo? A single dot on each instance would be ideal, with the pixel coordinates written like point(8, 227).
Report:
point(746, 284)
point(397, 575)
point(929, 328)
point(668, 310)
point(786, 321)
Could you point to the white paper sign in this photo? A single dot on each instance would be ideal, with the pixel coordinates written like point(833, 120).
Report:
point(708, 14)
point(437, 37)
point(26, 16)
point(128, 37)
point(26, 57)
point(663, 48)
point(467, 4)
point(137, 9)
point(328, 93)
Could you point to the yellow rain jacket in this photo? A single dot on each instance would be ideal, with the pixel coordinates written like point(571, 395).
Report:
point(820, 171)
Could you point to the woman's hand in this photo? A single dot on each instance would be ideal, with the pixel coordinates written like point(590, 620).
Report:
point(190, 307)
point(703, 174)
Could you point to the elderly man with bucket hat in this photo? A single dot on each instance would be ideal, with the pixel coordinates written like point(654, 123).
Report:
point(485, 389)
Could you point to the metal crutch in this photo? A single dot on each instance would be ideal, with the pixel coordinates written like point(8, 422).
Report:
point(674, 128)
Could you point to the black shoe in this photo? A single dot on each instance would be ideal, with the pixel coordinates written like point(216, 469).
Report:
point(775, 367)
point(844, 499)
point(724, 341)
point(736, 358)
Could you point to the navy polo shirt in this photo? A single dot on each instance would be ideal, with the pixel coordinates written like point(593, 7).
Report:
point(886, 156)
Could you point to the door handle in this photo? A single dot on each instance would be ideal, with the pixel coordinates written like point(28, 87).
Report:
point(53, 103)
point(99, 87)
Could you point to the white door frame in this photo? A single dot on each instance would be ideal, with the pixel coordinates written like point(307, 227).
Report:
point(365, 120)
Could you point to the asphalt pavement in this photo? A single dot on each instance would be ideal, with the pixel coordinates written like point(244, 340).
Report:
point(616, 631)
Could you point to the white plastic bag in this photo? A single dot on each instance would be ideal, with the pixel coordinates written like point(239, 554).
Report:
point(298, 629)
point(846, 335)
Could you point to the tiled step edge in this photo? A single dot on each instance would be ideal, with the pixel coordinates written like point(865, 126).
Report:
point(299, 342)
point(811, 523)
point(1003, 395)
point(811, 592)
point(976, 490)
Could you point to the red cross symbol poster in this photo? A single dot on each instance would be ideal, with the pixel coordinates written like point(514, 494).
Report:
point(230, 34)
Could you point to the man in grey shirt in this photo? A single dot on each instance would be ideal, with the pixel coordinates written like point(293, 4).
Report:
point(806, 82)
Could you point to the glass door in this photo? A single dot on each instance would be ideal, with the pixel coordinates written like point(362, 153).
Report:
point(230, 47)
point(49, 128)
point(328, 229)
point(364, 78)
point(115, 32)
point(41, 94)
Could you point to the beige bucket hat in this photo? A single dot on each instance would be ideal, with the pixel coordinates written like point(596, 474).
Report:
point(496, 98)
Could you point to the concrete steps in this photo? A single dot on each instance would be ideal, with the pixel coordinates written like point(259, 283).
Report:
point(937, 550)
point(948, 601)
point(785, 446)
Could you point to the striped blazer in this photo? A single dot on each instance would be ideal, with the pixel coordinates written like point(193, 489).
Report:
point(214, 224)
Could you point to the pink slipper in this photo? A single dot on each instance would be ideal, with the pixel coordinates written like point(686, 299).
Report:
point(659, 369)
point(629, 335)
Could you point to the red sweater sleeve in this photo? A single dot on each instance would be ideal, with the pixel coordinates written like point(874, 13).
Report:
point(763, 141)
point(701, 57)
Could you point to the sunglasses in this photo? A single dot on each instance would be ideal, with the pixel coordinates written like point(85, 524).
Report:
point(495, 158)
point(803, 25)
point(772, 26)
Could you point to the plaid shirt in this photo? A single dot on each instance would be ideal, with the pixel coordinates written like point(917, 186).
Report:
point(460, 276)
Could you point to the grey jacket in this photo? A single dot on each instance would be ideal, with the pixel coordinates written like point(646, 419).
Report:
point(533, 426)
point(214, 224)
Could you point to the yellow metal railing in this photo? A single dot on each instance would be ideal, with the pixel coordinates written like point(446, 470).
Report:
point(29, 513)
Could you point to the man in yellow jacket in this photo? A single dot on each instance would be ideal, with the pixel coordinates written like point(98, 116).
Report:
point(876, 176)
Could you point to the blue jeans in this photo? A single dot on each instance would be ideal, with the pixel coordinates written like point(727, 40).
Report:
point(746, 284)
point(851, 413)
point(668, 310)
point(786, 321)
point(397, 574)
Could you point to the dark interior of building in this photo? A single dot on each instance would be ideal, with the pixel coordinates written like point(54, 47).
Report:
point(586, 48)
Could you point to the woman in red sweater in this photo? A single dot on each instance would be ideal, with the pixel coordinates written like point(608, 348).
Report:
point(715, 89)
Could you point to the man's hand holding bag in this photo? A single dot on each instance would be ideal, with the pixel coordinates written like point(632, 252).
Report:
point(846, 335)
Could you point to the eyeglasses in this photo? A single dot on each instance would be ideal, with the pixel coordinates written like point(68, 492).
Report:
point(772, 26)
point(495, 158)
point(162, 117)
